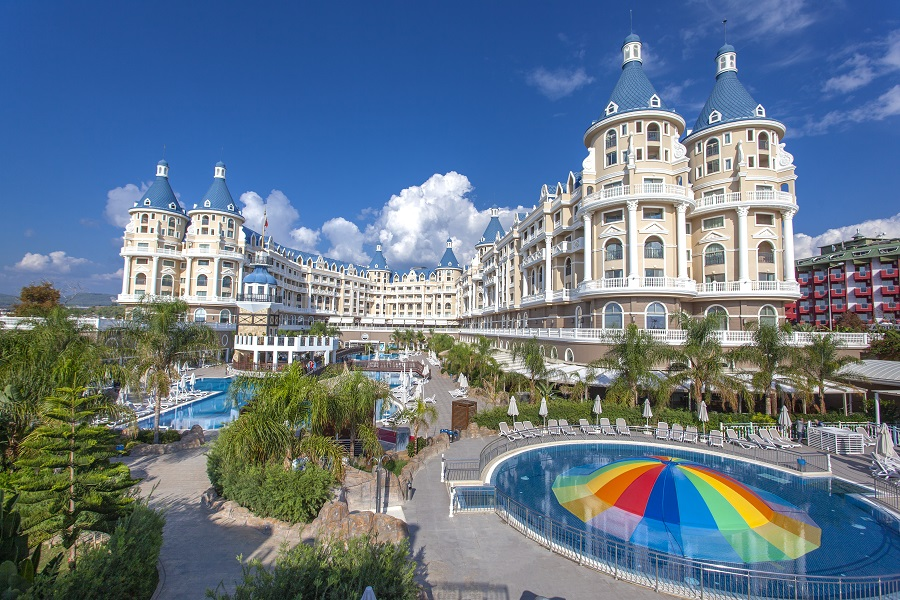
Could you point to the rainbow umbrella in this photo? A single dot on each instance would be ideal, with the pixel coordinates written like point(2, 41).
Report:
point(681, 507)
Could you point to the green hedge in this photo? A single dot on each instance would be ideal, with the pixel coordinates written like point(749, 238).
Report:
point(331, 572)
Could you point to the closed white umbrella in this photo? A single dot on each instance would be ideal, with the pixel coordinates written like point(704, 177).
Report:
point(193, 380)
point(884, 445)
point(703, 415)
point(463, 382)
point(513, 409)
point(369, 594)
point(597, 410)
point(648, 412)
point(543, 412)
point(784, 419)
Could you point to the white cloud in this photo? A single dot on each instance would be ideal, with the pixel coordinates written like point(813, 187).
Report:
point(54, 262)
point(886, 105)
point(806, 245)
point(346, 241)
point(866, 63)
point(114, 276)
point(859, 73)
point(276, 207)
point(559, 83)
point(120, 200)
point(305, 239)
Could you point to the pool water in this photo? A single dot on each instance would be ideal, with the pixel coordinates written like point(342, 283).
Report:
point(857, 539)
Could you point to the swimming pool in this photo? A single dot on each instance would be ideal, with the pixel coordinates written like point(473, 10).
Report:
point(857, 540)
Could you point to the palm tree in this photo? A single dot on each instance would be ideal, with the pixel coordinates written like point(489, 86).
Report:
point(352, 408)
point(420, 416)
point(529, 352)
point(818, 361)
point(770, 354)
point(159, 339)
point(703, 359)
point(632, 356)
point(580, 386)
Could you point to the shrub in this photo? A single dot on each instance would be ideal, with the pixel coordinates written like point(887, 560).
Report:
point(272, 491)
point(415, 446)
point(145, 436)
point(124, 567)
point(331, 572)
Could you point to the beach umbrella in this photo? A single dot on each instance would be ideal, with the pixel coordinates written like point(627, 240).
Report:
point(680, 507)
point(784, 419)
point(597, 410)
point(463, 381)
point(369, 594)
point(543, 412)
point(193, 380)
point(884, 445)
point(702, 415)
point(648, 412)
point(513, 409)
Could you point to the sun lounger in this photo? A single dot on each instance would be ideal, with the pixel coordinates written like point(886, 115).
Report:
point(777, 437)
point(662, 430)
point(767, 436)
point(883, 468)
point(430, 400)
point(868, 440)
point(586, 427)
point(622, 427)
point(606, 428)
point(761, 442)
point(460, 393)
point(677, 433)
point(553, 427)
point(538, 432)
point(733, 438)
point(507, 433)
point(522, 430)
point(691, 436)
point(716, 439)
point(566, 428)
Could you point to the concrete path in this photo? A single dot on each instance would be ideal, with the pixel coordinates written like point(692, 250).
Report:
point(198, 551)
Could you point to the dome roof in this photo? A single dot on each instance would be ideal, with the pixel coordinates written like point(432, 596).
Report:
point(163, 163)
point(220, 164)
point(724, 49)
point(217, 197)
point(633, 37)
point(260, 275)
point(159, 196)
point(730, 99)
point(448, 261)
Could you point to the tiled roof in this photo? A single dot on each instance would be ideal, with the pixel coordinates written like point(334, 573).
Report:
point(490, 232)
point(449, 259)
point(160, 196)
point(378, 261)
point(633, 91)
point(218, 196)
point(730, 99)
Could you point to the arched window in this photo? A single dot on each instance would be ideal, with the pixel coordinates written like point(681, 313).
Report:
point(569, 355)
point(447, 306)
point(225, 316)
point(762, 141)
point(145, 218)
point(721, 314)
point(610, 139)
point(541, 276)
point(166, 281)
point(568, 266)
point(204, 220)
point(653, 132)
point(656, 316)
point(614, 250)
point(226, 282)
point(140, 279)
point(200, 315)
point(578, 317)
point(554, 353)
point(230, 223)
point(201, 280)
point(714, 255)
point(613, 316)
point(712, 156)
point(171, 223)
point(768, 315)
point(653, 248)
point(765, 253)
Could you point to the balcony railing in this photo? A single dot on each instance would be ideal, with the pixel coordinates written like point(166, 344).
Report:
point(654, 252)
point(766, 257)
point(534, 258)
point(735, 197)
point(642, 189)
point(274, 298)
point(754, 286)
point(713, 258)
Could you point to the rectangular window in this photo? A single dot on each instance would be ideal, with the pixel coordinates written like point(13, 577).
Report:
point(688, 227)
point(699, 148)
point(203, 263)
point(666, 155)
point(615, 216)
point(168, 263)
point(727, 164)
point(712, 166)
point(666, 128)
point(653, 213)
point(751, 161)
point(142, 261)
point(230, 265)
point(717, 278)
point(767, 276)
point(612, 274)
point(750, 135)
point(204, 246)
point(653, 153)
point(639, 154)
point(765, 219)
point(653, 273)
point(639, 126)
point(611, 158)
point(624, 128)
point(143, 245)
point(713, 223)
point(201, 293)
point(728, 137)
point(699, 172)
point(624, 156)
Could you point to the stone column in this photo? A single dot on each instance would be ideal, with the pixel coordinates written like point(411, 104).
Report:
point(126, 275)
point(155, 276)
point(217, 287)
point(743, 259)
point(548, 267)
point(588, 247)
point(681, 239)
point(788, 245)
point(186, 288)
point(633, 277)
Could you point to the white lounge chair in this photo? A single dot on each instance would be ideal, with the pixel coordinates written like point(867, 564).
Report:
point(662, 430)
point(767, 436)
point(868, 440)
point(716, 439)
point(460, 393)
point(761, 442)
point(677, 433)
point(733, 438)
point(553, 427)
point(622, 427)
point(586, 427)
point(507, 433)
point(606, 428)
point(883, 468)
point(538, 432)
point(778, 437)
point(566, 428)
point(430, 400)
point(691, 435)
point(522, 430)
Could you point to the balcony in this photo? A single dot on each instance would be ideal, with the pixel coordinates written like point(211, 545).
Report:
point(838, 293)
point(838, 308)
point(863, 308)
point(532, 299)
point(767, 196)
point(819, 294)
point(890, 290)
point(837, 277)
point(820, 309)
point(817, 278)
point(765, 258)
point(736, 287)
point(889, 273)
point(890, 307)
point(147, 251)
point(619, 284)
point(272, 298)
point(618, 193)
point(865, 292)
point(804, 294)
point(567, 247)
point(535, 257)
point(803, 310)
point(862, 276)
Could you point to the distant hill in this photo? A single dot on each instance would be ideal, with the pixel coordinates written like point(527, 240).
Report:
point(7, 300)
point(89, 299)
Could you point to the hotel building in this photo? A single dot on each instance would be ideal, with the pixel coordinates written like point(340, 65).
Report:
point(661, 218)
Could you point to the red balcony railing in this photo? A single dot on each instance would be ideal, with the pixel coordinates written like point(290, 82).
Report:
point(867, 276)
point(863, 308)
point(890, 290)
point(865, 292)
point(819, 278)
point(890, 307)
point(838, 308)
point(804, 310)
point(839, 293)
point(890, 273)
point(837, 277)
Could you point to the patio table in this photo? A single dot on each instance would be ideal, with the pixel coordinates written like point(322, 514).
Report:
point(835, 439)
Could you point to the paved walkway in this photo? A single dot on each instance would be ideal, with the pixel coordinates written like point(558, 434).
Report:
point(198, 552)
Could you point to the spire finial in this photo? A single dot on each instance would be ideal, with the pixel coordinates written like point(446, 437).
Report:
point(725, 29)
point(164, 152)
point(631, 20)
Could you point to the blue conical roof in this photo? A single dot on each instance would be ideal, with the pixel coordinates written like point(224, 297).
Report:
point(490, 232)
point(159, 196)
point(378, 260)
point(730, 99)
point(218, 196)
point(261, 276)
point(633, 90)
point(448, 261)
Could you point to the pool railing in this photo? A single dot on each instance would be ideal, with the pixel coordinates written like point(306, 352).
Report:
point(662, 572)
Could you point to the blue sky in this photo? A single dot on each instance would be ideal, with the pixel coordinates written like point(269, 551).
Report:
point(401, 122)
